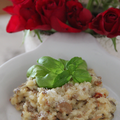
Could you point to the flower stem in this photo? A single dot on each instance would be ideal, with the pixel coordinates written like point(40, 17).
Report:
point(37, 32)
point(90, 5)
point(114, 43)
point(89, 31)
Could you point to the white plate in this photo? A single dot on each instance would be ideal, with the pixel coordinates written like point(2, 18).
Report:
point(59, 45)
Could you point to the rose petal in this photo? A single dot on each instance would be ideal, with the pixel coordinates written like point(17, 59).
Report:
point(108, 26)
point(43, 27)
point(115, 10)
point(78, 17)
point(26, 13)
point(17, 9)
point(16, 23)
point(97, 25)
point(47, 13)
point(60, 13)
point(62, 27)
point(61, 2)
point(39, 6)
point(51, 6)
point(71, 4)
point(35, 23)
point(72, 19)
point(85, 16)
point(115, 30)
point(45, 20)
point(47, 9)
point(9, 9)
point(110, 17)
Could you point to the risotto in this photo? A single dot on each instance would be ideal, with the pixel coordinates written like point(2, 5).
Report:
point(72, 101)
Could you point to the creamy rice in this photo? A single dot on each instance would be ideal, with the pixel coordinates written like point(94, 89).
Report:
point(84, 101)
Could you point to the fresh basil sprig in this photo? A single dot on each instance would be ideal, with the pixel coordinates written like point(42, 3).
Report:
point(52, 73)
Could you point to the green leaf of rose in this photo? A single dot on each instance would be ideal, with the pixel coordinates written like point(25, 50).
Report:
point(51, 64)
point(81, 75)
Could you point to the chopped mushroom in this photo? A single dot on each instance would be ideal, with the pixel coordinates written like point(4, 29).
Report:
point(59, 116)
point(65, 107)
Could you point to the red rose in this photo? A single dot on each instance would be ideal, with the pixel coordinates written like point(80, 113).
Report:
point(77, 16)
point(33, 19)
point(107, 23)
point(53, 13)
point(50, 9)
point(48, 14)
point(16, 22)
point(20, 14)
point(24, 16)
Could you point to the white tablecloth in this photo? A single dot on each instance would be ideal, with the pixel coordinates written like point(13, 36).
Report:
point(11, 44)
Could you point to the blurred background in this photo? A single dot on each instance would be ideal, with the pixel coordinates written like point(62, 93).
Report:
point(4, 3)
point(10, 44)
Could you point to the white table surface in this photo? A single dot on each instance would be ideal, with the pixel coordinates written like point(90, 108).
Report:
point(11, 43)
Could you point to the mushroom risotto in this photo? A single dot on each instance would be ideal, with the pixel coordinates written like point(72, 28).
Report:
point(72, 101)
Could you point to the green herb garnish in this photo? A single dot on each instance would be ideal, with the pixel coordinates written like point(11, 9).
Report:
point(52, 73)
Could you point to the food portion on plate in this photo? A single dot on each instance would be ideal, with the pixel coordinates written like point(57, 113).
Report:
point(58, 89)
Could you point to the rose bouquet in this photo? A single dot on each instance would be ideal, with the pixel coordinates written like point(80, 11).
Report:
point(98, 17)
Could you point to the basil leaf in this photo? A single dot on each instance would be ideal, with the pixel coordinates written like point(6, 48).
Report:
point(46, 81)
point(61, 79)
point(71, 68)
point(81, 75)
point(53, 73)
point(64, 62)
point(83, 65)
point(51, 64)
point(75, 61)
point(36, 70)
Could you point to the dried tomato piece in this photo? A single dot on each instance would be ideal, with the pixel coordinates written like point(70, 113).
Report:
point(97, 83)
point(97, 95)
